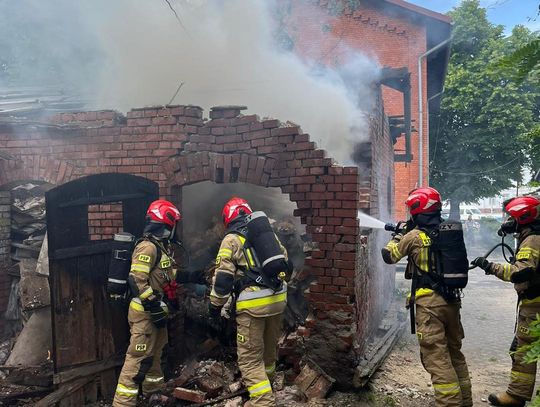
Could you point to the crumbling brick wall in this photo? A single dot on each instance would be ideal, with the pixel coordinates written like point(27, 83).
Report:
point(5, 248)
point(374, 279)
point(5, 225)
point(176, 146)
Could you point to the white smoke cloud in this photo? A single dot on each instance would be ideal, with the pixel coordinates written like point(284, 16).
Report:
point(224, 53)
point(133, 53)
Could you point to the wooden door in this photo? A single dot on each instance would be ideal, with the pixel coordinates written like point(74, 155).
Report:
point(90, 333)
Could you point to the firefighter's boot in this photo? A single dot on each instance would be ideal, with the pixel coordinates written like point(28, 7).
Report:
point(505, 399)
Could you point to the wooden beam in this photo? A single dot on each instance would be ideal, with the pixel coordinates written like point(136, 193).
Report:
point(86, 250)
point(56, 396)
point(38, 391)
point(95, 200)
point(377, 355)
point(87, 369)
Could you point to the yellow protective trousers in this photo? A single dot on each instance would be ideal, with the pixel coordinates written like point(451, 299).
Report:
point(143, 358)
point(257, 339)
point(523, 375)
point(440, 333)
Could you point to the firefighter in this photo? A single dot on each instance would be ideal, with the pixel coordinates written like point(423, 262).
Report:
point(524, 221)
point(438, 323)
point(258, 308)
point(151, 276)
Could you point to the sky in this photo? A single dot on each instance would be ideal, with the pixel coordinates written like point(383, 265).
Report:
point(505, 12)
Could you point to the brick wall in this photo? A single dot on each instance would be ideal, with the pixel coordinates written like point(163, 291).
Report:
point(5, 225)
point(175, 146)
point(319, 35)
point(104, 220)
point(373, 280)
point(5, 248)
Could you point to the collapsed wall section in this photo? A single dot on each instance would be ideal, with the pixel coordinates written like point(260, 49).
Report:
point(176, 146)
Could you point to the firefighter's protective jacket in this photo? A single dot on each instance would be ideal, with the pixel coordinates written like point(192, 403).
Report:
point(527, 261)
point(415, 245)
point(438, 325)
point(148, 273)
point(255, 300)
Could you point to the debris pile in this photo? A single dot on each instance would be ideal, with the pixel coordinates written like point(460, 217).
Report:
point(211, 382)
point(200, 382)
point(24, 354)
point(28, 224)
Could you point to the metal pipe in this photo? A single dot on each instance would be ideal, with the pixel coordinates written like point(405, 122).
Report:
point(428, 157)
point(421, 110)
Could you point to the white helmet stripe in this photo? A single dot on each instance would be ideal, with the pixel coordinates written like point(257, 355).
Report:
point(517, 208)
point(156, 212)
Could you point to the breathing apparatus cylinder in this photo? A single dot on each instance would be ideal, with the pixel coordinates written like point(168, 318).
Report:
point(268, 251)
point(451, 254)
point(122, 248)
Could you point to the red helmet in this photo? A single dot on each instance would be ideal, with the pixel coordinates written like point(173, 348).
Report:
point(232, 209)
point(423, 200)
point(524, 209)
point(163, 211)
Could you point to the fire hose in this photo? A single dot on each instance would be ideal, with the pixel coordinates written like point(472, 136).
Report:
point(504, 246)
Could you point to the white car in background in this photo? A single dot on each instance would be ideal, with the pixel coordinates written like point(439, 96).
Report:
point(464, 212)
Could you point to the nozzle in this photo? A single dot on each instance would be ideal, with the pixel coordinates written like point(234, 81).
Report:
point(390, 227)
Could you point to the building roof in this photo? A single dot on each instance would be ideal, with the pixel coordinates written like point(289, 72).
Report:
point(438, 29)
point(28, 101)
point(421, 10)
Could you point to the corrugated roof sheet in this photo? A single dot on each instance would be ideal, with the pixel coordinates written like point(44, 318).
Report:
point(16, 102)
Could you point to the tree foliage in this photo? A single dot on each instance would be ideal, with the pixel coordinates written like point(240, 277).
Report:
point(532, 351)
point(523, 61)
point(481, 138)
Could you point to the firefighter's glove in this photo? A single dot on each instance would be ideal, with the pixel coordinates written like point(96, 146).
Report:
point(407, 227)
point(157, 313)
point(483, 263)
point(215, 322)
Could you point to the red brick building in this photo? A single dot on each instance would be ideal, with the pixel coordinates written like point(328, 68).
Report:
point(396, 34)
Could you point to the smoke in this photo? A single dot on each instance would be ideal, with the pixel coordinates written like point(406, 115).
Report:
point(225, 53)
point(48, 43)
point(134, 53)
point(202, 223)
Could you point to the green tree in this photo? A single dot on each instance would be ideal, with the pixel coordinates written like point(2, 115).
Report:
point(481, 136)
point(532, 351)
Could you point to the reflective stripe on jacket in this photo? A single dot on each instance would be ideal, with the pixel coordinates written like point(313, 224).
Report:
point(257, 297)
point(254, 300)
point(415, 245)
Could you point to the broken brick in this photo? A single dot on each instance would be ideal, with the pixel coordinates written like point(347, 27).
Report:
point(212, 386)
point(313, 381)
point(194, 396)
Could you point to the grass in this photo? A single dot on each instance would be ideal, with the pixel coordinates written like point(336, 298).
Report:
point(389, 401)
